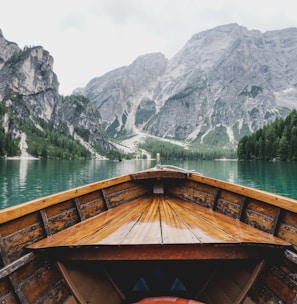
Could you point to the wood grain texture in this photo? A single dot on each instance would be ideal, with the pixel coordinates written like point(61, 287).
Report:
point(159, 220)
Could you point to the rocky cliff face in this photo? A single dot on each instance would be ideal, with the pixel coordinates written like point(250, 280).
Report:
point(79, 118)
point(29, 91)
point(117, 94)
point(225, 83)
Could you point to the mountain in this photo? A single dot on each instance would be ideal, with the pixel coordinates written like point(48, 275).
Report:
point(224, 83)
point(118, 93)
point(30, 101)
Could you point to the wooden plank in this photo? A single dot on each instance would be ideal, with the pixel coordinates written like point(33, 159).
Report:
point(229, 203)
point(257, 271)
point(17, 290)
point(162, 173)
point(118, 232)
point(45, 223)
point(199, 230)
point(243, 204)
point(126, 196)
point(56, 210)
point(147, 228)
point(70, 285)
point(3, 253)
point(239, 231)
point(281, 285)
point(19, 224)
point(105, 199)
point(291, 256)
point(174, 229)
point(118, 189)
point(78, 208)
point(138, 222)
point(40, 284)
point(91, 229)
point(158, 252)
point(63, 220)
point(9, 269)
point(215, 199)
point(20, 210)
point(276, 221)
point(8, 298)
point(90, 197)
point(187, 190)
point(14, 245)
point(93, 207)
point(272, 199)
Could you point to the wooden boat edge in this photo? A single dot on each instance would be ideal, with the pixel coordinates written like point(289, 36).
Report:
point(19, 264)
point(25, 208)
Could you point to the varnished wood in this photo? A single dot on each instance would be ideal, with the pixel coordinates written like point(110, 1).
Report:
point(158, 215)
point(257, 271)
point(78, 208)
point(158, 252)
point(159, 220)
point(14, 212)
point(275, 200)
point(71, 286)
point(9, 269)
point(45, 223)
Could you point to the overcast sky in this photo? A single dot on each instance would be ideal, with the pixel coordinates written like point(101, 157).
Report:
point(88, 38)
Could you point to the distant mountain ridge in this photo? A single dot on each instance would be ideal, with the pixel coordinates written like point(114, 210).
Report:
point(224, 83)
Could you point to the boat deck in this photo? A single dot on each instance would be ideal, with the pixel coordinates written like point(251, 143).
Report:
point(158, 222)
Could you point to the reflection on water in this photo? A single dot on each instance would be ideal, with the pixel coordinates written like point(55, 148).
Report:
point(277, 177)
point(23, 180)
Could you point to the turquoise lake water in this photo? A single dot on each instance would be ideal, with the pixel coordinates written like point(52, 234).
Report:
point(24, 180)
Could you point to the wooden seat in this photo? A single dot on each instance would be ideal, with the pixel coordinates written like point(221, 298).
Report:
point(143, 227)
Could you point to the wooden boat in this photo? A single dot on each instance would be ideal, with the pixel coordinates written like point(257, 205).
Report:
point(162, 235)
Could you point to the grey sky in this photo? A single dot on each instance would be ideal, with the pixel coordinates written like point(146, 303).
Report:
point(88, 38)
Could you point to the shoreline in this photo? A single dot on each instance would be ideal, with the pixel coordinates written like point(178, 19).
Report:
point(21, 158)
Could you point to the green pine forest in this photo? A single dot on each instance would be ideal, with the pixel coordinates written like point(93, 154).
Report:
point(275, 141)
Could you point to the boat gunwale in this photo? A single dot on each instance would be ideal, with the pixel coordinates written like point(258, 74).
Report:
point(26, 208)
point(270, 198)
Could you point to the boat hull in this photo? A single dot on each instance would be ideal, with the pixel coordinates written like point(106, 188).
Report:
point(251, 273)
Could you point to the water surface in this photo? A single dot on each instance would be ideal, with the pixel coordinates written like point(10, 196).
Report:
point(24, 180)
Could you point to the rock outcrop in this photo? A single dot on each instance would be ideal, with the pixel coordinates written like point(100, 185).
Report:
point(29, 90)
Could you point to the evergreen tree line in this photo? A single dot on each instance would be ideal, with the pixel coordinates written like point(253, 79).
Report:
point(171, 151)
point(46, 142)
point(277, 140)
point(8, 146)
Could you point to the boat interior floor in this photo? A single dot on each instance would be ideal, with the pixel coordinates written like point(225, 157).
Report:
point(131, 281)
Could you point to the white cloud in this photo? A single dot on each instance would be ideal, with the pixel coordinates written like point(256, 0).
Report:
point(89, 38)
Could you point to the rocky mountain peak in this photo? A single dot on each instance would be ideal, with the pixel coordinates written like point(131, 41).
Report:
point(114, 93)
point(7, 49)
point(29, 97)
point(223, 84)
